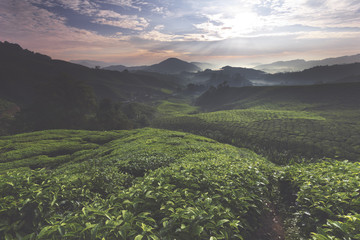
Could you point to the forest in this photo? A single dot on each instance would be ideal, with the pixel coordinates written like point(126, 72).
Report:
point(105, 154)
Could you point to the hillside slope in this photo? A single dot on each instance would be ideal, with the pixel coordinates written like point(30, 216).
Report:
point(158, 184)
point(22, 72)
point(129, 184)
point(285, 123)
point(300, 64)
point(328, 96)
point(168, 66)
point(316, 75)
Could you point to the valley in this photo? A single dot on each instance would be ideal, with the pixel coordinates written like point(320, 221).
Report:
point(180, 153)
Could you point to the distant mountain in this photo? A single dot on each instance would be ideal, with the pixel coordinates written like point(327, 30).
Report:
point(300, 64)
point(91, 63)
point(239, 77)
point(233, 76)
point(121, 68)
point(203, 65)
point(317, 75)
point(23, 73)
point(248, 73)
point(168, 66)
point(173, 66)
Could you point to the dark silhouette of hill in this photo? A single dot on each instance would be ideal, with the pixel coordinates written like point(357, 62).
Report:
point(91, 63)
point(316, 75)
point(121, 68)
point(233, 76)
point(22, 72)
point(300, 64)
point(247, 73)
point(349, 79)
point(173, 66)
point(323, 96)
point(168, 66)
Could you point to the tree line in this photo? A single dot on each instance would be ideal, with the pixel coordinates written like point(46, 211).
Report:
point(68, 104)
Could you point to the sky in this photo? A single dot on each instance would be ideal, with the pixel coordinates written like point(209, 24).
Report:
point(222, 32)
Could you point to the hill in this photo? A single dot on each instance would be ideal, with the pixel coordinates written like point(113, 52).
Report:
point(344, 95)
point(115, 184)
point(300, 64)
point(284, 123)
point(231, 76)
point(23, 72)
point(91, 63)
point(316, 75)
point(173, 66)
point(158, 184)
point(239, 77)
point(168, 66)
point(121, 68)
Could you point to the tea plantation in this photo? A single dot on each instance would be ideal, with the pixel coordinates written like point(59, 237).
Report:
point(283, 135)
point(159, 184)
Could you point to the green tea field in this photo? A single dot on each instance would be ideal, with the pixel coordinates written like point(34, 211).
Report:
point(160, 184)
point(286, 124)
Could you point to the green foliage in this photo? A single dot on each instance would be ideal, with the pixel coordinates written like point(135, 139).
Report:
point(347, 228)
point(140, 114)
point(312, 97)
point(190, 187)
point(328, 198)
point(175, 108)
point(50, 148)
point(109, 116)
point(158, 184)
point(7, 112)
point(60, 103)
point(282, 135)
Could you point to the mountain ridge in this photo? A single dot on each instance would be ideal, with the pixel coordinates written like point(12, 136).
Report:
point(38, 69)
point(91, 63)
point(301, 64)
point(167, 66)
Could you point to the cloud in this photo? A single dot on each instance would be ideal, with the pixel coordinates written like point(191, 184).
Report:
point(43, 31)
point(157, 36)
point(98, 15)
point(329, 35)
point(112, 18)
point(121, 3)
point(159, 27)
point(158, 10)
point(127, 30)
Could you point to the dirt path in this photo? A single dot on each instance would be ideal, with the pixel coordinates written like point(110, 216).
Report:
point(272, 226)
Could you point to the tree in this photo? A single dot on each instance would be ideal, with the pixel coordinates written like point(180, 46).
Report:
point(110, 116)
point(60, 103)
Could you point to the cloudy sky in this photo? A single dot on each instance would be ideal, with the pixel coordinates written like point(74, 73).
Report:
point(135, 32)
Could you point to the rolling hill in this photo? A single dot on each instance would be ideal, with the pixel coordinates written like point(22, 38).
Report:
point(159, 184)
point(300, 64)
point(22, 72)
point(316, 75)
point(91, 63)
point(168, 66)
point(344, 95)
